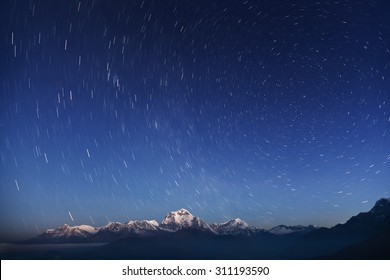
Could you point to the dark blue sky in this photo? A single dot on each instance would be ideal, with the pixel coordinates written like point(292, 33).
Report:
point(277, 112)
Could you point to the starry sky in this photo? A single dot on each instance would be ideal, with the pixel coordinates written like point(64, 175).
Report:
point(277, 112)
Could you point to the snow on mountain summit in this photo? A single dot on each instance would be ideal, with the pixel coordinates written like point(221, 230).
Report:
point(182, 219)
point(69, 232)
point(135, 227)
point(115, 230)
point(143, 225)
point(282, 229)
point(113, 227)
point(234, 227)
point(237, 222)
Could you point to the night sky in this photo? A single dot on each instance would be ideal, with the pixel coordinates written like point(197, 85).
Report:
point(277, 112)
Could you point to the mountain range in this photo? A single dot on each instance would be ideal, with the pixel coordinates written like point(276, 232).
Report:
point(173, 222)
point(180, 235)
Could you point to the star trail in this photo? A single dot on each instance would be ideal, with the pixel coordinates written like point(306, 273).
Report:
point(277, 112)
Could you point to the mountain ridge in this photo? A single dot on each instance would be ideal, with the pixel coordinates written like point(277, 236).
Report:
point(184, 236)
point(183, 220)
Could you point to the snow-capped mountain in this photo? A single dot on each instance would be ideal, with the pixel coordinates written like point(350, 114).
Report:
point(69, 232)
point(115, 230)
point(363, 236)
point(183, 219)
point(234, 227)
point(282, 229)
point(136, 227)
point(144, 225)
point(173, 222)
point(109, 232)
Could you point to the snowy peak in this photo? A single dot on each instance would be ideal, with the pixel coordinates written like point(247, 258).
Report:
point(238, 223)
point(182, 212)
point(115, 231)
point(69, 232)
point(113, 227)
point(152, 224)
point(183, 219)
point(282, 229)
point(234, 227)
point(180, 217)
point(137, 227)
point(140, 227)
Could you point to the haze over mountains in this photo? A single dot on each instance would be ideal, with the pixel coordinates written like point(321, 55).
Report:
point(180, 235)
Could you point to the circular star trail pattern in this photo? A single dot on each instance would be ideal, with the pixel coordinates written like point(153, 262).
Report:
point(277, 112)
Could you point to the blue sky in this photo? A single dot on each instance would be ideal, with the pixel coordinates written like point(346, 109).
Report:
point(277, 113)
